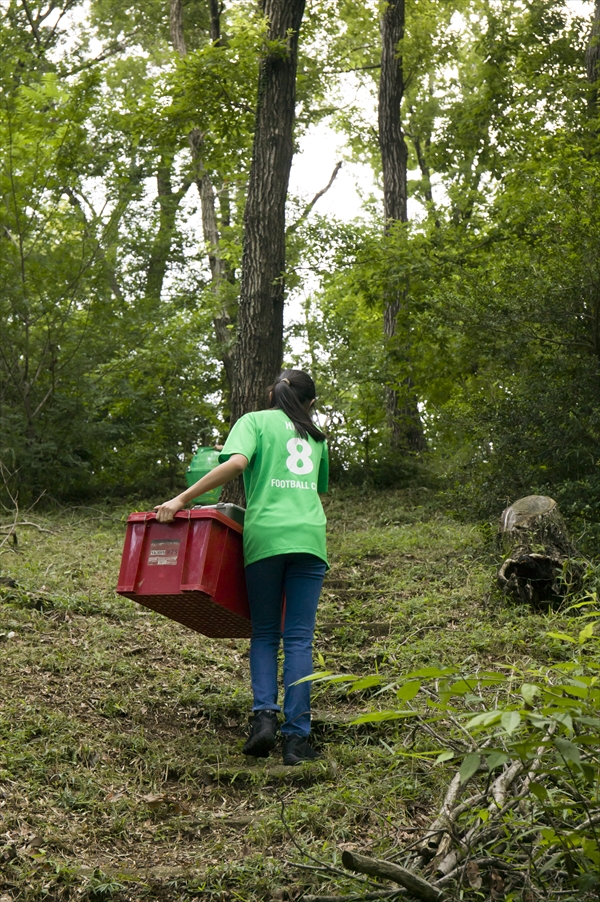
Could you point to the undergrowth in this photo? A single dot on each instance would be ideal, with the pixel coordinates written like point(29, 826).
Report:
point(121, 773)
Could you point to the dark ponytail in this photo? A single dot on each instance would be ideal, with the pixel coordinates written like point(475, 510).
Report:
point(290, 393)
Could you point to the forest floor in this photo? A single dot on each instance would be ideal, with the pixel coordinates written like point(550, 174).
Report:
point(121, 772)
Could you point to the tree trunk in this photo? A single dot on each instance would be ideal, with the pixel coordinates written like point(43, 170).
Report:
point(220, 275)
point(168, 201)
point(394, 153)
point(218, 269)
point(538, 568)
point(259, 349)
point(176, 27)
point(215, 21)
point(402, 412)
point(592, 61)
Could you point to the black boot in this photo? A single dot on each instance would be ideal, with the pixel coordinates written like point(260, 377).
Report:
point(297, 749)
point(263, 734)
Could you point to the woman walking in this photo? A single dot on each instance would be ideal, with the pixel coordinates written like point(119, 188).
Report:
point(283, 457)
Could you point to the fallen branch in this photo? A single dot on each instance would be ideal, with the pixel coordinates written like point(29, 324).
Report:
point(590, 822)
point(446, 862)
point(418, 886)
point(502, 784)
point(446, 859)
point(12, 526)
point(358, 897)
point(442, 821)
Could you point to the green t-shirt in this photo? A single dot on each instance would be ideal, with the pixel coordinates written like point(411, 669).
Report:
point(282, 480)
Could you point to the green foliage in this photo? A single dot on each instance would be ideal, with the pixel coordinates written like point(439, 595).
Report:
point(104, 374)
point(110, 373)
point(216, 86)
point(545, 718)
point(75, 351)
point(339, 341)
point(56, 322)
point(161, 397)
point(121, 732)
point(522, 405)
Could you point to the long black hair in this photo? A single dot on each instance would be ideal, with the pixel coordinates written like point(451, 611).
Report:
point(289, 393)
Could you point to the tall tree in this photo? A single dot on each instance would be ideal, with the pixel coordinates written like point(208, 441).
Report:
point(169, 200)
point(592, 59)
point(259, 348)
point(218, 267)
point(403, 415)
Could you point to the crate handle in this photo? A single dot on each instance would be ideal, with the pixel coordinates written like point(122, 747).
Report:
point(134, 563)
point(182, 515)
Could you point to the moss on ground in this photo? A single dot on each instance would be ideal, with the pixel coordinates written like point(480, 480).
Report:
point(121, 773)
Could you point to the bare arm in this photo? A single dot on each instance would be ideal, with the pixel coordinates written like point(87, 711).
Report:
point(233, 467)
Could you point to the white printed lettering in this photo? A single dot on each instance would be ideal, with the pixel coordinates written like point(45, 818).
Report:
point(293, 484)
point(299, 461)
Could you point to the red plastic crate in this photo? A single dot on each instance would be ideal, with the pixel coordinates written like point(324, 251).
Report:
point(191, 570)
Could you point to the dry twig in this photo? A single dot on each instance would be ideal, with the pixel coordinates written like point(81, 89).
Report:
point(357, 897)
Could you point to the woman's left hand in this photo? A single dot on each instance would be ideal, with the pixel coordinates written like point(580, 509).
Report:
point(166, 512)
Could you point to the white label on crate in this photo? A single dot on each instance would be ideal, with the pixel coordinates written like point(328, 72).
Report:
point(164, 552)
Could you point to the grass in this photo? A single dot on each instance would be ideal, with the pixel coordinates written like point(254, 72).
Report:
point(121, 773)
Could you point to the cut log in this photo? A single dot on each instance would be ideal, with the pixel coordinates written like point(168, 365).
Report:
point(539, 566)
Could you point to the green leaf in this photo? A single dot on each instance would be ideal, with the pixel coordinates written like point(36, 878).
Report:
point(469, 766)
point(583, 604)
point(431, 672)
point(537, 720)
point(586, 633)
point(574, 689)
point(560, 701)
point(444, 756)
point(320, 675)
point(529, 691)
point(366, 683)
point(590, 773)
point(378, 716)
point(444, 706)
point(510, 721)
point(565, 719)
point(496, 759)
point(484, 720)
point(460, 687)
point(549, 835)
point(591, 850)
point(562, 636)
point(326, 676)
point(490, 678)
point(409, 690)
point(567, 750)
point(539, 791)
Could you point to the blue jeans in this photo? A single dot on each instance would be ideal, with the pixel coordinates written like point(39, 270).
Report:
point(299, 577)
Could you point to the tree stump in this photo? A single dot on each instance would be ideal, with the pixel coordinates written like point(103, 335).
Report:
point(538, 567)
